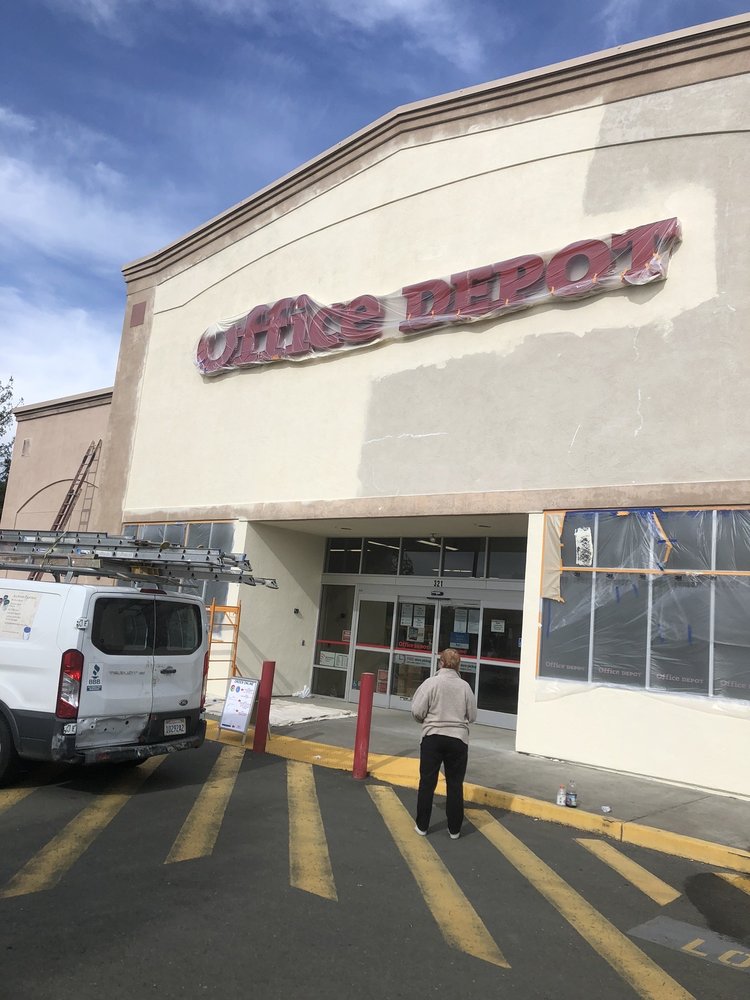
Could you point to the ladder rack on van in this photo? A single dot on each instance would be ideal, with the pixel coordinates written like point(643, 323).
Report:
point(67, 554)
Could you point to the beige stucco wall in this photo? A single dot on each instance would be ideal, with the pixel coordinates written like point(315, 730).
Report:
point(621, 389)
point(683, 738)
point(51, 440)
point(270, 629)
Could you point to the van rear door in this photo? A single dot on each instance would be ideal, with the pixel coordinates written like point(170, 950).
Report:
point(179, 653)
point(116, 696)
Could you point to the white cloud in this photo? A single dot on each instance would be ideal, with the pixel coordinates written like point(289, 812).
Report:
point(53, 350)
point(438, 26)
point(61, 215)
point(18, 123)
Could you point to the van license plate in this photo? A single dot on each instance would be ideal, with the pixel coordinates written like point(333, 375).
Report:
point(174, 727)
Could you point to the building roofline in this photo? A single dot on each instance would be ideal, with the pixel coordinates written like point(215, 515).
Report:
point(583, 73)
point(80, 401)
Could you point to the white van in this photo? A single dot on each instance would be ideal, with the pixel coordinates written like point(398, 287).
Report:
point(93, 673)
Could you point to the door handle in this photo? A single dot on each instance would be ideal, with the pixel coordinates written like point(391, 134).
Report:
point(168, 670)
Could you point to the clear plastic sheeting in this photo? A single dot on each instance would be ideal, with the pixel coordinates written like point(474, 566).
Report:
point(297, 328)
point(661, 604)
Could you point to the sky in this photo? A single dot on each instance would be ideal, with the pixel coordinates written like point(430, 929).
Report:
point(126, 123)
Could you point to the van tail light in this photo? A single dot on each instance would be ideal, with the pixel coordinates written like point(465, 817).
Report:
point(205, 681)
point(71, 671)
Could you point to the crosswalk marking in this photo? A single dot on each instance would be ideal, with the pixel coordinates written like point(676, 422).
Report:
point(309, 862)
point(48, 866)
point(636, 968)
point(198, 835)
point(640, 877)
point(457, 919)
point(740, 881)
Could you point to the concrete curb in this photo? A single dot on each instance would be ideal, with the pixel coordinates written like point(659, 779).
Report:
point(404, 772)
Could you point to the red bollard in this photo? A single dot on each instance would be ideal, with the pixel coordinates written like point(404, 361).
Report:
point(265, 690)
point(364, 719)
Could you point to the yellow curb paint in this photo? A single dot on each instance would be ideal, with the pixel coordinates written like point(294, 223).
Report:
point(404, 772)
point(455, 916)
point(739, 881)
point(47, 867)
point(718, 855)
point(638, 876)
point(197, 837)
point(309, 861)
point(634, 966)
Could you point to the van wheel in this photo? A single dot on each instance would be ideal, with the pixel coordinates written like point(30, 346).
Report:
point(8, 755)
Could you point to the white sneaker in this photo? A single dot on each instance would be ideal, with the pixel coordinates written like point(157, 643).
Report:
point(422, 833)
point(455, 836)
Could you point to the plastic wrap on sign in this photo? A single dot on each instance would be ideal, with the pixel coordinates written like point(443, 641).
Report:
point(659, 602)
point(298, 328)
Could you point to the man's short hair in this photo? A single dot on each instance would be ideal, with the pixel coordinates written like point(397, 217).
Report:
point(450, 658)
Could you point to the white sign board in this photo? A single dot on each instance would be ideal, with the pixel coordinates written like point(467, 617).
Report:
point(17, 613)
point(238, 704)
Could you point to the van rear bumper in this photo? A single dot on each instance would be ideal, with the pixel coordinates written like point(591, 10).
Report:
point(117, 755)
point(42, 737)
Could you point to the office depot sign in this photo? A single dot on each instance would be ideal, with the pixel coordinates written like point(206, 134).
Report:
point(298, 328)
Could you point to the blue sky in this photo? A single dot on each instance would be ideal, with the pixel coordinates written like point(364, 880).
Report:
point(126, 123)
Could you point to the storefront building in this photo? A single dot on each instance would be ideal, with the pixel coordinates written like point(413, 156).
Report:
point(388, 375)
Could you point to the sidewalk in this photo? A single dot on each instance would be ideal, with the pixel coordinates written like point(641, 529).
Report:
point(687, 822)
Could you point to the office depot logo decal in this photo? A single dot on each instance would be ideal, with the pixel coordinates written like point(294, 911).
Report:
point(299, 329)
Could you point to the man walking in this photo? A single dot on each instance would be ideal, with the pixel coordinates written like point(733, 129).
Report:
point(445, 705)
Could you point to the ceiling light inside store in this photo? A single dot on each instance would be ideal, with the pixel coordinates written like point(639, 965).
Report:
point(382, 545)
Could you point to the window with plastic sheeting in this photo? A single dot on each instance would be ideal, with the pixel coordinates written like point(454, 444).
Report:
point(671, 602)
point(566, 630)
point(731, 627)
point(680, 630)
point(620, 629)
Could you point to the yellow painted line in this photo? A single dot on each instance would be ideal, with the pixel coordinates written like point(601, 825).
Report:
point(718, 855)
point(739, 881)
point(636, 874)
point(635, 967)
point(49, 865)
point(309, 862)
point(456, 917)
point(404, 772)
point(10, 797)
point(198, 835)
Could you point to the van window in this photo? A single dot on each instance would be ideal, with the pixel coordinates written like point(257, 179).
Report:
point(123, 626)
point(178, 628)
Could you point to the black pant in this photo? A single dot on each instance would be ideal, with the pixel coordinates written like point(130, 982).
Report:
point(453, 754)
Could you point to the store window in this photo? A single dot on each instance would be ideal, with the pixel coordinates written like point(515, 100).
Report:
point(506, 558)
point(343, 555)
point(420, 557)
point(381, 555)
point(464, 557)
point(195, 534)
point(333, 641)
point(652, 599)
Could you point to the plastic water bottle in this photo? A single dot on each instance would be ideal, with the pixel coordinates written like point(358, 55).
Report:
point(571, 796)
point(561, 796)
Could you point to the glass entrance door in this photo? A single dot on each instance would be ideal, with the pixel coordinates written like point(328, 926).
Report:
point(399, 639)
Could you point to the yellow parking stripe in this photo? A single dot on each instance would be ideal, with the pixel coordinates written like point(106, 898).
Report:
point(9, 797)
point(640, 877)
point(197, 837)
point(456, 917)
point(47, 867)
point(635, 967)
point(309, 862)
point(740, 881)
